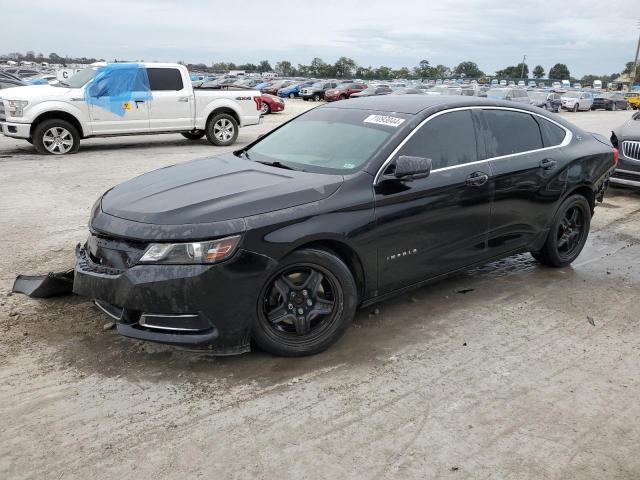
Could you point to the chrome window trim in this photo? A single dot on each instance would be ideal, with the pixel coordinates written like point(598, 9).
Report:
point(566, 141)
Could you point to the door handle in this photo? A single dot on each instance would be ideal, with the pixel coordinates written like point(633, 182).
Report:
point(183, 99)
point(548, 164)
point(476, 179)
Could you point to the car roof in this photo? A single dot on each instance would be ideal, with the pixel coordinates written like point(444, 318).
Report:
point(414, 104)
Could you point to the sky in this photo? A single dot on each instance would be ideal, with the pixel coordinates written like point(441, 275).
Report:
point(591, 37)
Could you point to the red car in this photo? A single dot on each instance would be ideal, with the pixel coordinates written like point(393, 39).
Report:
point(271, 104)
point(343, 91)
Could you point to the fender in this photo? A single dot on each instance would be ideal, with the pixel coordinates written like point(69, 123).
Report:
point(78, 109)
point(214, 105)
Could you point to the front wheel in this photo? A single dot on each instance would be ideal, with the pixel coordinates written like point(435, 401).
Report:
point(575, 108)
point(222, 130)
point(306, 305)
point(613, 107)
point(265, 109)
point(56, 137)
point(193, 134)
point(568, 233)
point(292, 96)
point(316, 98)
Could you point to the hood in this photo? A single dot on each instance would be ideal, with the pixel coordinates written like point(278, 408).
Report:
point(213, 190)
point(630, 130)
point(29, 92)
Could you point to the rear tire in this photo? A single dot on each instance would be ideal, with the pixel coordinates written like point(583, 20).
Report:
point(193, 134)
point(56, 137)
point(300, 312)
point(222, 130)
point(568, 233)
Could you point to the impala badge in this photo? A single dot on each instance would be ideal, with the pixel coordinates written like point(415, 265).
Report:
point(399, 255)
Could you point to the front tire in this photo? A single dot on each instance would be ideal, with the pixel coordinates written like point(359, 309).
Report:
point(316, 97)
point(222, 130)
point(193, 134)
point(265, 108)
point(292, 96)
point(56, 137)
point(575, 108)
point(306, 305)
point(568, 233)
point(613, 107)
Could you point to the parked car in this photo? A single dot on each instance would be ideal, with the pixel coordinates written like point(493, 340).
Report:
point(634, 99)
point(124, 99)
point(511, 94)
point(610, 101)
point(626, 139)
point(293, 91)
point(548, 100)
point(273, 88)
point(316, 91)
point(575, 101)
point(408, 91)
point(279, 243)
point(271, 104)
point(372, 91)
point(343, 91)
point(531, 84)
point(444, 90)
point(521, 84)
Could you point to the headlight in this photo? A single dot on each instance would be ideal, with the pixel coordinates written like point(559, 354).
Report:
point(191, 253)
point(16, 107)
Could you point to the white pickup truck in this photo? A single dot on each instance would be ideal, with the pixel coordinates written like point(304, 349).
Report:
point(124, 99)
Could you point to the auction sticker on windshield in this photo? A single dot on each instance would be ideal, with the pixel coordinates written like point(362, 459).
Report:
point(384, 120)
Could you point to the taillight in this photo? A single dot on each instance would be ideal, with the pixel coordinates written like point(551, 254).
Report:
point(258, 101)
point(616, 156)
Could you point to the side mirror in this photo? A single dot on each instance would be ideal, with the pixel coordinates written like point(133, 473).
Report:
point(410, 168)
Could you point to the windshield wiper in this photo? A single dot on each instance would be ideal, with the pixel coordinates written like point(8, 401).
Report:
point(277, 165)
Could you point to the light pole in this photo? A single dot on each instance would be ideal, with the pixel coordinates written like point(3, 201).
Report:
point(635, 63)
point(522, 70)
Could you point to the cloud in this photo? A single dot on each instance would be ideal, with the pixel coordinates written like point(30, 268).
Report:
point(589, 36)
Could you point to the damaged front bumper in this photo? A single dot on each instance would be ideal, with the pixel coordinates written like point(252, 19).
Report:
point(208, 306)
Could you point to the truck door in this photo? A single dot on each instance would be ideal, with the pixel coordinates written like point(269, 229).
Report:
point(118, 100)
point(172, 105)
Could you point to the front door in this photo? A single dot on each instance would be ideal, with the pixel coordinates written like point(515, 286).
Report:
point(118, 100)
point(434, 225)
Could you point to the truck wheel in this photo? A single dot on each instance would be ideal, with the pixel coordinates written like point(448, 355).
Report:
point(316, 97)
point(222, 130)
point(193, 134)
point(56, 137)
point(305, 99)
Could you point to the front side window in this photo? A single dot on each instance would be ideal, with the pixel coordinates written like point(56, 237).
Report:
point(508, 132)
point(164, 79)
point(448, 140)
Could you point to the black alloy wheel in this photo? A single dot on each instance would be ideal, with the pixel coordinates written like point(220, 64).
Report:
point(568, 233)
point(306, 305)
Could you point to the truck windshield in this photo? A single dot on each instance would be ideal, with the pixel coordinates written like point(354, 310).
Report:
point(80, 79)
point(327, 140)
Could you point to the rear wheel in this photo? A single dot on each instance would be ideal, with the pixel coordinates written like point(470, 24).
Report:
point(56, 137)
point(568, 233)
point(306, 305)
point(193, 134)
point(222, 130)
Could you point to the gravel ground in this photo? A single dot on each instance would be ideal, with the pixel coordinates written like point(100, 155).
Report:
point(531, 374)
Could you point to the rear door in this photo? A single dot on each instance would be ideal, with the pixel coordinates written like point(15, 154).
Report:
point(528, 171)
point(430, 226)
point(172, 103)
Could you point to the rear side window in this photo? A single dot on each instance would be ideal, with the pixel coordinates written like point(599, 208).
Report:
point(552, 134)
point(508, 132)
point(164, 79)
point(448, 140)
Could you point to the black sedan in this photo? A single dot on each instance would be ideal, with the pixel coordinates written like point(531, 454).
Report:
point(610, 101)
point(626, 139)
point(346, 205)
point(548, 100)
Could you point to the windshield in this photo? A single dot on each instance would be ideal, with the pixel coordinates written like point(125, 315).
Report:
point(317, 85)
point(571, 95)
point(498, 92)
point(327, 140)
point(80, 79)
point(538, 96)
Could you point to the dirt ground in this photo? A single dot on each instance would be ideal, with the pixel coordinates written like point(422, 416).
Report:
point(533, 373)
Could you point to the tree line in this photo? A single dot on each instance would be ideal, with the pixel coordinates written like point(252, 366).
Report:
point(345, 67)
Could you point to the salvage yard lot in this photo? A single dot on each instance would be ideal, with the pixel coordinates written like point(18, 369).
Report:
point(509, 371)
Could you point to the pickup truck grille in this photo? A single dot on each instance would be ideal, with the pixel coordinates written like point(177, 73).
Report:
point(631, 149)
point(3, 116)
